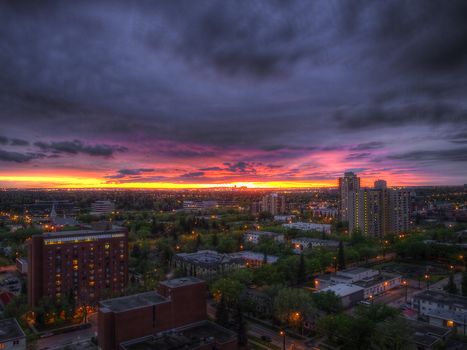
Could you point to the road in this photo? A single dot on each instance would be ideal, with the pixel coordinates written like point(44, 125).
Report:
point(61, 340)
point(258, 330)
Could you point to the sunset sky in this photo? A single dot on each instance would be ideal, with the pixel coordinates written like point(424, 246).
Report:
point(207, 93)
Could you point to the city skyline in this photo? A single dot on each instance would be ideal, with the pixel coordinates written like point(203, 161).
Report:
point(213, 94)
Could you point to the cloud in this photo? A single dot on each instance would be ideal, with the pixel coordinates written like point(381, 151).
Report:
point(449, 155)
point(358, 156)
point(194, 174)
point(17, 157)
point(3, 140)
point(368, 146)
point(76, 146)
point(19, 142)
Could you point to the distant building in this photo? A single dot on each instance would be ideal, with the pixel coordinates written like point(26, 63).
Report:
point(102, 207)
point(255, 236)
point(309, 226)
point(325, 212)
point(196, 205)
point(174, 317)
point(11, 335)
point(284, 218)
point(347, 184)
point(300, 244)
point(89, 264)
point(379, 212)
point(381, 184)
point(273, 204)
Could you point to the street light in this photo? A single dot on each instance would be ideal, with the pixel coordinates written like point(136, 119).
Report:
point(405, 284)
point(427, 279)
point(371, 299)
point(282, 334)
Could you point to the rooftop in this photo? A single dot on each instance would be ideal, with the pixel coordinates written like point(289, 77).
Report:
point(263, 233)
point(372, 281)
point(206, 257)
point(355, 270)
point(342, 289)
point(443, 298)
point(132, 301)
point(188, 337)
point(183, 281)
point(425, 334)
point(114, 229)
point(246, 254)
point(10, 329)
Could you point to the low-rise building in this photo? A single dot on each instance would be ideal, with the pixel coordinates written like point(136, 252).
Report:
point(12, 336)
point(431, 300)
point(379, 284)
point(353, 274)
point(442, 309)
point(300, 244)
point(203, 335)
point(255, 236)
point(206, 264)
point(309, 226)
point(349, 294)
point(284, 218)
point(145, 320)
point(253, 259)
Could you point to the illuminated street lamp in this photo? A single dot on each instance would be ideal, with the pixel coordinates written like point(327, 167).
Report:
point(427, 279)
point(406, 285)
point(282, 334)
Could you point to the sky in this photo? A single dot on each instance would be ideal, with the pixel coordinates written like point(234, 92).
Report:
point(175, 94)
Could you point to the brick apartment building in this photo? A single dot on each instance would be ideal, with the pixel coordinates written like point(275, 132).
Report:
point(176, 313)
point(87, 265)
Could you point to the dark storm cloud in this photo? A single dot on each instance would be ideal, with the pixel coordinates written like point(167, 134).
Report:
point(284, 78)
point(122, 173)
point(368, 146)
point(17, 157)
point(450, 155)
point(193, 174)
point(76, 146)
point(19, 142)
point(358, 156)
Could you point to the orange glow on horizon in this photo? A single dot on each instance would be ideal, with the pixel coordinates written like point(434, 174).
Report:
point(83, 182)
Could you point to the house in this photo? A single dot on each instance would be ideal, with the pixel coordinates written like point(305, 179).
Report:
point(349, 294)
point(300, 244)
point(255, 236)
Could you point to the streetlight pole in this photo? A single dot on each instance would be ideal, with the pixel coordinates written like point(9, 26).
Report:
point(282, 333)
point(406, 286)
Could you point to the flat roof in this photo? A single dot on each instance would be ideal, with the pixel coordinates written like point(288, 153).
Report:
point(443, 298)
point(342, 289)
point(188, 337)
point(266, 233)
point(355, 270)
point(10, 330)
point(133, 301)
point(247, 254)
point(114, 229)
point(206, 257)
point(424, 333)
point(182, 281)
point(375, 280)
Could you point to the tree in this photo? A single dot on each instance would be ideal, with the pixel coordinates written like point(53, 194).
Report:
point(451, 287)
point(198, 241)
point(242, 338)
point(328, 302)
point(301, 275)
point(464, 283)
point(341, 256)
point(392, 334)
point(222, 313)
point(292, 304)
point(229, 289)
point(214, 240)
